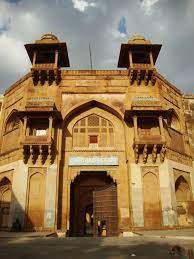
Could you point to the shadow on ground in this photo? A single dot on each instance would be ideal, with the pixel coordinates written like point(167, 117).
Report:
point(83, 248)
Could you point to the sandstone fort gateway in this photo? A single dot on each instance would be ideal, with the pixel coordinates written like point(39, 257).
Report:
point(96, 152)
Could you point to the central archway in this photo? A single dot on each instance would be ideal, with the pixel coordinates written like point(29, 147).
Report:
point(82, 216)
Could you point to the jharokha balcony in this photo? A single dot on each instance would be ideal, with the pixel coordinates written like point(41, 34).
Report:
point(37, 140)
point(146, 143)
point(37, 148)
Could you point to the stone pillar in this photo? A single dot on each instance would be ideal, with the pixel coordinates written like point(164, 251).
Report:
point(137, 195)
point(65, 214)
point(130, 59)
point(50, 126)
point(34, 59)
point(68, 206)
point(161, 126)
point(50, 198)
point(151, 59)
point(19, 190)
point(24, 126)
point(168, 213)
point(135, 127)
point(56, 58)
point(192, 179)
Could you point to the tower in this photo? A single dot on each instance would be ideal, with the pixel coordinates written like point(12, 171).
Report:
point(47, 56)
point(139, 57)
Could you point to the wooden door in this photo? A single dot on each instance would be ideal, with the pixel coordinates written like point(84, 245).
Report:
point(105, 211)
point(152, 208)
point(35, 214)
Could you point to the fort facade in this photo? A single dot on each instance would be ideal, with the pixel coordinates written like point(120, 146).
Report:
point(95, 152)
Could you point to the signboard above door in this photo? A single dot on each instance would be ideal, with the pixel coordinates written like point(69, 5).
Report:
point(93, 160)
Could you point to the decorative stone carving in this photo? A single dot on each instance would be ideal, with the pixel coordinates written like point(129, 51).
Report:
point(136, 150)
point(154, 153)
point(162, 153)
point(145, 153)
point(178, 157)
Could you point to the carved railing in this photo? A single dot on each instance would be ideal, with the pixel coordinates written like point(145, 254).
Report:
point(44, 66)
point(141, 66)
point(37, 140)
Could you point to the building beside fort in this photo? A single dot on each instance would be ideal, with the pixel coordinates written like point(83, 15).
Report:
point(96, 152)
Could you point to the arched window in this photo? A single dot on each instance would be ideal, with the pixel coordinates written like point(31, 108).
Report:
point(182, 189)
point(12, 123)
point(93, 131)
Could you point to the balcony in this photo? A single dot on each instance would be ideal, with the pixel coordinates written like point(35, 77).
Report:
point(44, 72)
point(139, 72)
point(152, 145)
point(149, 140)
point(36, 149)
point(37, 141)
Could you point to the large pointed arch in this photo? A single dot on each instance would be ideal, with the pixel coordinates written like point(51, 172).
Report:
point(82, 106)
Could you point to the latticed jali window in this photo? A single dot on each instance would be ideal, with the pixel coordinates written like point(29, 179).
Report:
point(93, 130)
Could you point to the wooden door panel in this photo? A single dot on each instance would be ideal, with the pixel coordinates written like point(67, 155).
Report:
point(106, 210)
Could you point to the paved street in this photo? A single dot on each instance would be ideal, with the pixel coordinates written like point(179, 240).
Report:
point(68, 248)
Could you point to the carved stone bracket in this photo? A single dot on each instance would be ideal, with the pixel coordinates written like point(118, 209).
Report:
point(138, 77)
point(131, 76)
point(154, 153)
point(38, 154)
point(153, 79)
point(145, 153)
point(136, 150)
point(44, 74)
point(140, 73)
point(162, 153)
point(146, 77)
point(149, 150)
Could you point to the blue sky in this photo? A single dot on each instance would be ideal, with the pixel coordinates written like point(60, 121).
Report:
point(122, 26)
point(105, 24)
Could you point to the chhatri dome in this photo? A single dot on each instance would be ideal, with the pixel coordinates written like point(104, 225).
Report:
point(48, 38)
point(138, 39)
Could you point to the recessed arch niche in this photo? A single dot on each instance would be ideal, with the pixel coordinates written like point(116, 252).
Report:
point(36, 199)
point(151, 194)
point(5, 202)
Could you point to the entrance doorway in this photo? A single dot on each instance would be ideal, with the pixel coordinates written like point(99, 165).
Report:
point(83, 203)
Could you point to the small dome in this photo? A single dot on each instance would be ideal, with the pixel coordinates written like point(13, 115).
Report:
point(48, 38)
point(138, 39)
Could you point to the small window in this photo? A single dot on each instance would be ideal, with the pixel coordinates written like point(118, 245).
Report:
point(93, 139)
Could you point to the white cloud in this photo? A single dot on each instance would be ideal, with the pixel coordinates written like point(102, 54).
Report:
point(117, 34)
point(16, 56)
point(147, 5)
point(82, 5)
point(4, 18)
